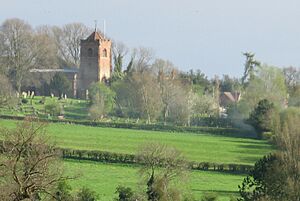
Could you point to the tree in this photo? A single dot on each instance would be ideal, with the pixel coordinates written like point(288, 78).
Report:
point(288, 140)
point(198, 80)
point(162, 164)
point(292, 77)
point(261, 117)
point(169, 86)
point(102, 100)
point(119, 52)
point(22, 49)
point(268, 84)
point(276, 177)
point(68, 41)
point(228, 84)
point(250, 66)
point(147, 94)
point(29, 165)
point(267, 179)
point(59, 84)
point(292, 81)
point(18, 49)
point(7, 96)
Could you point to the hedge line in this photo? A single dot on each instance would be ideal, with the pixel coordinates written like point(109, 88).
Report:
point(103, 156)
point(231, 132)
point(109, 157)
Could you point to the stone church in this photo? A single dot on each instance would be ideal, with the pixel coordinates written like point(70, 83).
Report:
point(95, 65)
point(95, 62)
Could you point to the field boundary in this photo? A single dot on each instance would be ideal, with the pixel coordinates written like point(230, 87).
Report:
point(110, 157)
point(226, 132)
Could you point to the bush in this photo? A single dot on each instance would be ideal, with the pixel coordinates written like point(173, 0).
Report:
point(209, 197)
point(24, 100)
point(86, 194)
point(53, 108)
point(261, 116)
point(124, 194)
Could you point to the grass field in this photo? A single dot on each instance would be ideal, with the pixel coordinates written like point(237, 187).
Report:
point(196, 147)
point(104, 178)
point(73, 108)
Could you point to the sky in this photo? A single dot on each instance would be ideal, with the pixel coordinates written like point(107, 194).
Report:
point(209, 35)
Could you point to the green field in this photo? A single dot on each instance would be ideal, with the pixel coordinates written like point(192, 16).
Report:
point(104, 178)
point(196, 147)
point(73, 108)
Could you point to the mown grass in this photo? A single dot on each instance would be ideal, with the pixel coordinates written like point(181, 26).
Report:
point(104, 178)
point(196, 147)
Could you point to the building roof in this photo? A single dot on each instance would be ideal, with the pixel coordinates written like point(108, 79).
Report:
point(95, 36)
point(229, 97)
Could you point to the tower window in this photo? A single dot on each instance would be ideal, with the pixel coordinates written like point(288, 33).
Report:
point(104, 53)
point(90, 52)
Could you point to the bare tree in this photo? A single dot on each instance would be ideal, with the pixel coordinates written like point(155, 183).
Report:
point(7, 94)
point(292, 77)
point(166, 79)
point(147, 94)
point(142, 58)
point(68, 40)
point(18, 49)
point(161, 165)
point(119, 52)
point(288, 139)
point(29, 164)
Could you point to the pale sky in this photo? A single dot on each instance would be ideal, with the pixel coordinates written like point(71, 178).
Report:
point(209, 35)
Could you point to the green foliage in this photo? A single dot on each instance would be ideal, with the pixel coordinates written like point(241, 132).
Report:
point(105, 177)
point(228, 84)
point(250, 65)
point(222, 149)
point(125, 193)
point(86, 194)
point(24, 100)
point(294, 96)
point(7, 97)
point(63, 192)
point(54, 108)
point(59, 84)
point(209, 197)
point(268, 83)
point(261, 116)
point(102, 99)
point(266, 179)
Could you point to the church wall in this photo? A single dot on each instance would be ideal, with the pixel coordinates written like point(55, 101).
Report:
point(105, 60)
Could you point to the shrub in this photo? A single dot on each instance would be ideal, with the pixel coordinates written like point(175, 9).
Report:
point(24, 101)
point(53, 108)
point(124, 193)
point(86, 194)
point(209, 197)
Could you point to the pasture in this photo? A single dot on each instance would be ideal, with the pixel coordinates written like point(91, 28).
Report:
point(196, 147)
point(104, 179)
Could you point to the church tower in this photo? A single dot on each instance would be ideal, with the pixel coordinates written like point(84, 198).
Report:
point(95, 61)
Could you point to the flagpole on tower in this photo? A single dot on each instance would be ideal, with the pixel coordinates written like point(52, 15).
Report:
point(104, 28)
point(95, 25)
